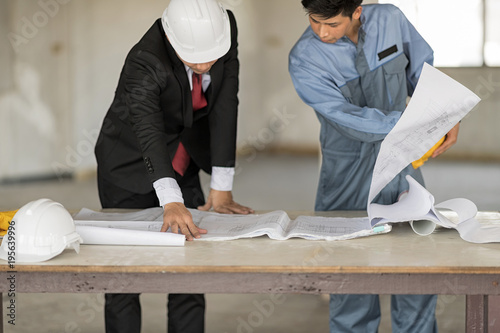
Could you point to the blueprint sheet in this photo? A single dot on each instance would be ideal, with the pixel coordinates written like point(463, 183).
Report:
point(437, 105)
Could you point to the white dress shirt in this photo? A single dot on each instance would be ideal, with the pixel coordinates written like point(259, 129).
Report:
point(167, 190)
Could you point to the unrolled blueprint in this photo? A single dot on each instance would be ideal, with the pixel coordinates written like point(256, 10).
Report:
point(278, 225)
point(136, 228)
point(437, 105)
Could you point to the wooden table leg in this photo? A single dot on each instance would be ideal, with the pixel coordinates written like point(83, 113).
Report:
point(1, 313)
point(476, 319)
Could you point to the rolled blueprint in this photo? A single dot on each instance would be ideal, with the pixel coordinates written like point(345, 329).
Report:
point(112, 236)
point(423, 227)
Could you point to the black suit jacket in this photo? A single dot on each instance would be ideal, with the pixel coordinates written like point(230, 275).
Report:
point(152, 112)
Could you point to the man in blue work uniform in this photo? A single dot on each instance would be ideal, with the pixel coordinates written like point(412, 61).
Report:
point(355, 66)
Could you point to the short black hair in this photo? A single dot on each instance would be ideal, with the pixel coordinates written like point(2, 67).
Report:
point(331, 8)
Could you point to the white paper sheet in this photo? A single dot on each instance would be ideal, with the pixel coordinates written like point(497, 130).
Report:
point(468, 227)
point(228, 227)
point(335, 228)
point(150, 219)
point(418, 208)
point(437, 105)
point(277, 225)
point(149, 214)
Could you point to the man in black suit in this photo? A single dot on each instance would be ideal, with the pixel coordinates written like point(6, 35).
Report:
point(174, 113)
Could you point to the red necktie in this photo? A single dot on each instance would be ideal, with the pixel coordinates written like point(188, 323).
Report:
point(181, 158)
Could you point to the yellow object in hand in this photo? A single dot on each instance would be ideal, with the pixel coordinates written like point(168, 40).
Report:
point(418, 163)
point(5, 218)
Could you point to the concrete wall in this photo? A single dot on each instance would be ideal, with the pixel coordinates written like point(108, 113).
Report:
point(479, 136)
point(5, 49)
point(77, 47)
point(34, 99)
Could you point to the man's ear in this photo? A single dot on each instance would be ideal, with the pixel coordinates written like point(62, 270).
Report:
point(357, 13)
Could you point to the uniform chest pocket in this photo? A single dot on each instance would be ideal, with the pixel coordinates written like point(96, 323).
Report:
point(395, 80)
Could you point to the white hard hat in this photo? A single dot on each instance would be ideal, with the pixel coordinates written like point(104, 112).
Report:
point(198, 30)
point(39, 231)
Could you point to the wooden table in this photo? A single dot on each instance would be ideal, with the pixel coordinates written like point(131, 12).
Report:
point(400, 262)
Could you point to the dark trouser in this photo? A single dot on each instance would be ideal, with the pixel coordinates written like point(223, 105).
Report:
point(186, 312)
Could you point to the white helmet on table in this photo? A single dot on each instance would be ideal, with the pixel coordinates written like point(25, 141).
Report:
point(40, 230)
point(198, 30)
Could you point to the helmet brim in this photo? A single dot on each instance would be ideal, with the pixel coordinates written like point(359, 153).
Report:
point(204, 57)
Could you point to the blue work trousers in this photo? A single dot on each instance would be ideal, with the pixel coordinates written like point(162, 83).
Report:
point(361, 313)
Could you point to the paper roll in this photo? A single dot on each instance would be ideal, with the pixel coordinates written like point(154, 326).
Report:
point(423, 227)
point(112, 236)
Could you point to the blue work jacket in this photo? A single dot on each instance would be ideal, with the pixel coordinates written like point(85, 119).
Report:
point(359, 92)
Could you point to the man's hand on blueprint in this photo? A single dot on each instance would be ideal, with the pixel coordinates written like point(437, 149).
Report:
point(451, 139)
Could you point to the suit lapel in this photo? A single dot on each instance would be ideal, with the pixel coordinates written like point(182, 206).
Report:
point(216, 76)
point(180, 74)
point(187, 103)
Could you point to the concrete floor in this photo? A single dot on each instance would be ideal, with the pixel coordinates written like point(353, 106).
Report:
point(264, 182)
